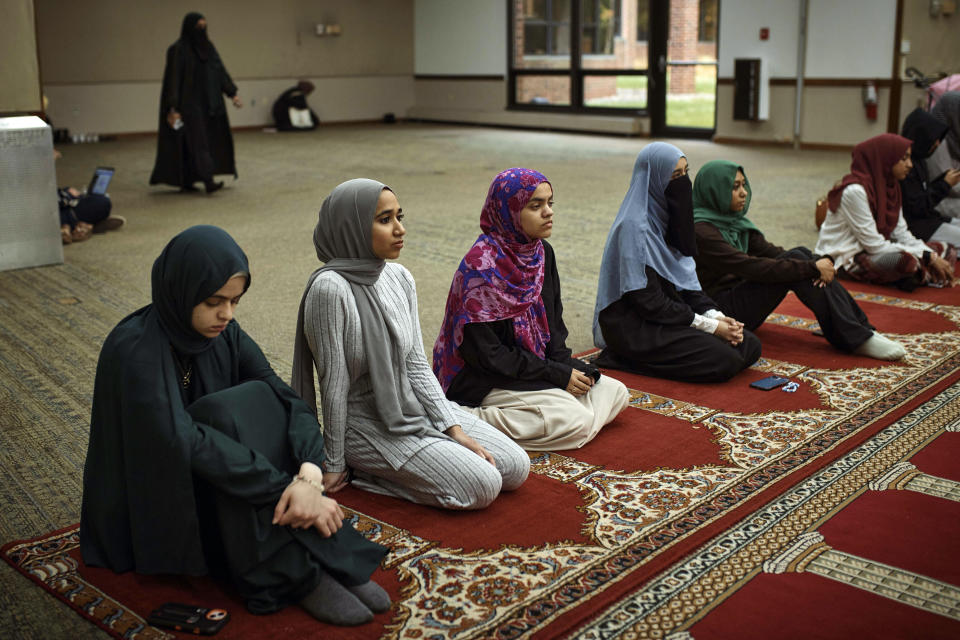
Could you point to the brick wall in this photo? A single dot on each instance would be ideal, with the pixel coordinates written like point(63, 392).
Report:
point(682, 43)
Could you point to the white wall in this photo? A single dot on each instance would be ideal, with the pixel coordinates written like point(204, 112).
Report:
point(104, 79)
point(460, 37)
point(851, 38)
point(845, 39)
point(93, 108)
point(740, 24)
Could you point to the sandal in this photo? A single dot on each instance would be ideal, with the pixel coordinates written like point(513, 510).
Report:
point(81, 232)
point(65, 236)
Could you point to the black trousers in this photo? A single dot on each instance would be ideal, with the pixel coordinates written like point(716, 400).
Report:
point(678, 353)
point(91, 208)
point(843, 322)
point(270, 566)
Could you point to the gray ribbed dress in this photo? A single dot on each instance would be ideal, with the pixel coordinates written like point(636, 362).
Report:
point(428, 468)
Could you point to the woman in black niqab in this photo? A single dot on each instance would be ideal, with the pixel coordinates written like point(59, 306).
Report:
point(194, 82)
point(197, 37)
point(201, 460)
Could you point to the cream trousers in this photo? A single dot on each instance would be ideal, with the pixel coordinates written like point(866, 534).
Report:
point(553, 419)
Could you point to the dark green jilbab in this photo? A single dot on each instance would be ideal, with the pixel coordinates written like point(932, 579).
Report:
point(192, 442)
point(711, 202)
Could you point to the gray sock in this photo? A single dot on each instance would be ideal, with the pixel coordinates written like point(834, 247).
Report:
point(372, 595)
point(331, 602)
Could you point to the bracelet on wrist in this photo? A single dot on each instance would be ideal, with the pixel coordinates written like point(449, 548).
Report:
point(313, 483)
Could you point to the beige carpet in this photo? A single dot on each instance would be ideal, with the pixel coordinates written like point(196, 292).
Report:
point(55, 315)
point(441, 175)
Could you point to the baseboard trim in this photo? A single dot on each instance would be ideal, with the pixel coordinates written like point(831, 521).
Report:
point(820, 82)
point(752, 142)
point(804, 146)
point(250, 127)
point(460, 78)
point(520, 127)
point(826, 146)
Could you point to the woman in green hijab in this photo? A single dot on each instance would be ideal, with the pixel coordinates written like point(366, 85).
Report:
point(201, 460)
point(748, 276)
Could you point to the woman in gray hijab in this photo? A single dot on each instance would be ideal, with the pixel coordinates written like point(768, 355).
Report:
point(385, 416)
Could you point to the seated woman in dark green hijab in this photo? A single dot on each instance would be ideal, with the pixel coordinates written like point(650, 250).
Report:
point(748, 277)
point(201, 460)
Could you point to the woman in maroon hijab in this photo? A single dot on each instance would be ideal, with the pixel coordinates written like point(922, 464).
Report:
point(864, 231)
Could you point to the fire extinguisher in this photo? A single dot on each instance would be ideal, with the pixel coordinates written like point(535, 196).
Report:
point(870, 99)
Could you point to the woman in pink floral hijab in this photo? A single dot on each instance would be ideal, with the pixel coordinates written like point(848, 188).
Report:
point(501, 348)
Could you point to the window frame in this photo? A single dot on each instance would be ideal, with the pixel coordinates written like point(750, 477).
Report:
point(575, 71)
point(549, 24)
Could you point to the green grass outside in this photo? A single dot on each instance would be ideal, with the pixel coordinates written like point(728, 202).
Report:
point(691, 112)
point(684, 112)
point(631, 82)
point(695, 110)
point(705, 82)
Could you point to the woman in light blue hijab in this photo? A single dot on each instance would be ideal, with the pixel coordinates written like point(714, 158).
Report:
point(651, 316)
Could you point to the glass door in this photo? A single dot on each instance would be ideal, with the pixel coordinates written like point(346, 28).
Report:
point(683, 67)
point(614, 54)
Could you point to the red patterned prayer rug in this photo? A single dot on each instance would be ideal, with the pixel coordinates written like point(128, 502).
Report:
point(703, 511)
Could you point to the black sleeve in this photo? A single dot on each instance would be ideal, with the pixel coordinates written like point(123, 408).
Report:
point(653, 303)
point(226, 82)
point(172, 77)
point(758, 245)
point(698, 301)
point(557, 347)
point(919, 202)
point(228, 87)
point(160, 428)
point(760, 264)
point(303, 430)
point(483, 349)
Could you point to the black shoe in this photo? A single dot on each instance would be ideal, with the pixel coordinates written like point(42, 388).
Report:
point(110, 223)
point(213, 186)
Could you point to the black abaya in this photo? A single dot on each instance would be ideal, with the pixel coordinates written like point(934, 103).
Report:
point(648, 331)
point(163, 456)
point(194, 82)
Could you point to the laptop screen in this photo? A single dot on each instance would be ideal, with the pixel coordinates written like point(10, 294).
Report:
point(100, 180)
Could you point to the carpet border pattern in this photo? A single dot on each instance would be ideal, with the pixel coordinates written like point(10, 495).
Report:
point(690, 589)
point(46, 561)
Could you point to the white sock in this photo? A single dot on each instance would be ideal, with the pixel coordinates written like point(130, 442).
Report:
point(880, 347)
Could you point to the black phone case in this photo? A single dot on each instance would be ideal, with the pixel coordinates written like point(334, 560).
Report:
point(770, 382)
point(189, 618)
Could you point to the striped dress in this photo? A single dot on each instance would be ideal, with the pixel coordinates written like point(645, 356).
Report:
point(428, 468)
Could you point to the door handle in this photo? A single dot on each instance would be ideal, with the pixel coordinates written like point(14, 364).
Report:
point(662, 63)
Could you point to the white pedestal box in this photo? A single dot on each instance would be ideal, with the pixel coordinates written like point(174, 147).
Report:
point(29, 215)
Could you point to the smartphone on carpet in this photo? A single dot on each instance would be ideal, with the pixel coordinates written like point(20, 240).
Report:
point(189, 618)
point(770, 382)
